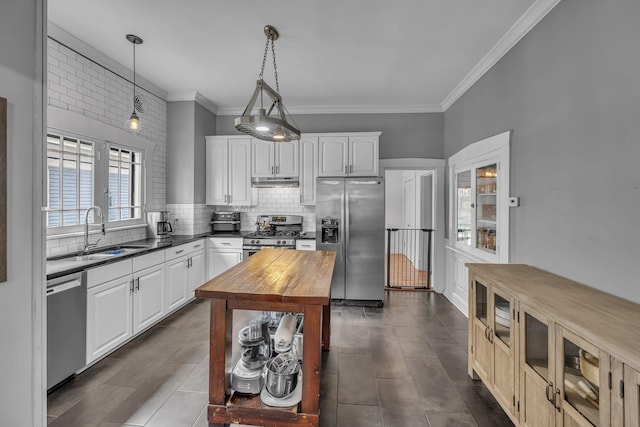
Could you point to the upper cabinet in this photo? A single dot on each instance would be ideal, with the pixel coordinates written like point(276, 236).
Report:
point(308, 169)
point(479, 179)
point(349, 155)
point(228, 174)
point(274, 159)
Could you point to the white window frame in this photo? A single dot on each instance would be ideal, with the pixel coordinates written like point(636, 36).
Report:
point(101, 184)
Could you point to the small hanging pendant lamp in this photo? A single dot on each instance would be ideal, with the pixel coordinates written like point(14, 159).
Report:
point(134, 121)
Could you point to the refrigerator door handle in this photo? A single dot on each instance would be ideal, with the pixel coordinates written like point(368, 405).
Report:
point(346, 227)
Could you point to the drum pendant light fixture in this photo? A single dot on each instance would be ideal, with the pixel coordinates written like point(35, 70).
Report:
point(274, 124)
point(134, 121)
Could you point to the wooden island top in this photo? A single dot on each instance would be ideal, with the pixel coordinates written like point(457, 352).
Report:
point(276, 275)
point(271, 280)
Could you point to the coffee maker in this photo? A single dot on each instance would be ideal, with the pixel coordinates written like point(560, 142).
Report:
point(158, 225)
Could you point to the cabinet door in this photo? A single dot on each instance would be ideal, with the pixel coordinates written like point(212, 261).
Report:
point(220, 261)
point(148, 297)
point(177, 277)
point(482, 349)
point(196, 272)
point(486, 192)
point(308, 170)
point(581, 368)
point(504, 355)
point(333, 155)
point(631, 397)
point(537, 385)
point(262, 158)
point(240, 171)
point(286, 158)
point(108, 316)
point(363, 156)
point(216, 171)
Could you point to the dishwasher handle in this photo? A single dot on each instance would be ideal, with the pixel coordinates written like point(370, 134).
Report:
point(63, 286)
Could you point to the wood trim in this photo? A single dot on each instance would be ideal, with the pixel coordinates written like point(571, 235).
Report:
point(311, 366)
point(3, 190)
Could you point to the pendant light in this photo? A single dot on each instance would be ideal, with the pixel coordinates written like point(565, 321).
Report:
point(275, 124)
point(134, 121)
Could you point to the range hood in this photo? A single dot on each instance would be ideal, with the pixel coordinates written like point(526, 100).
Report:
point(275, 181)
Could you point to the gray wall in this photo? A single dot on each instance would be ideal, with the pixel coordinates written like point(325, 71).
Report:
point(416, 135)
point(187, 124)
point(18, 305)
point(571, 93)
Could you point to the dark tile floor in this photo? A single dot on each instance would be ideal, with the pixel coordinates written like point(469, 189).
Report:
point(403, 365)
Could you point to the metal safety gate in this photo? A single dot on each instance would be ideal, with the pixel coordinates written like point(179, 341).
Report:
point(408, 258)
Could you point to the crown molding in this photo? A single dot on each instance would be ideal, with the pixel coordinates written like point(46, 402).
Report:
point(518, 30)
point(193, 96)
point(346, 109)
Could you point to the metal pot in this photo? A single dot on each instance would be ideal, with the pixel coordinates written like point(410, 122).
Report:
point(282, 375)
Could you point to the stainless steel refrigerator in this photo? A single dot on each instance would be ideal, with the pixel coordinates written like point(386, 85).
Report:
point(350, 221)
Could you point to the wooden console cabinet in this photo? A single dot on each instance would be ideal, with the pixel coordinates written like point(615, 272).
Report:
point(553, 352)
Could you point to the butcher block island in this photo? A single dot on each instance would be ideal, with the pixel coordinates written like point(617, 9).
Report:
point(271, 280)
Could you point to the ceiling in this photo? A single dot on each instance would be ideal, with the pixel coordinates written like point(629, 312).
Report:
point(332, 55)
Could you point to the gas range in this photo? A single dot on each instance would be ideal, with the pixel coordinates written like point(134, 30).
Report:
point(273, 231)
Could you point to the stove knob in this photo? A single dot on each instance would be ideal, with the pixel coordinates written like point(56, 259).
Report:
point(253, 242)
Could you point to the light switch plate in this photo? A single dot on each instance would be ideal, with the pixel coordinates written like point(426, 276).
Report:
point(514, 202)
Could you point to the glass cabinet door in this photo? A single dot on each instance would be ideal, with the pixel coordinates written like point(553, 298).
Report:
point(464, 207)
point(537, 370)
point(486, 191)
point(502, 319)
point(581, 366)
point(482, 347)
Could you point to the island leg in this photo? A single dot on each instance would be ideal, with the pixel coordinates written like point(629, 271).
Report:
point(326, 326)
point(311, 366)
point(220, 340)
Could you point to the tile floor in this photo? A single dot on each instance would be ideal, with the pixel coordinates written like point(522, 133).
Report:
point(403, 365)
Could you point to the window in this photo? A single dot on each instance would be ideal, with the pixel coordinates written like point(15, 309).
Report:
point(70, 171)
point(125, 189)
point(75, 173)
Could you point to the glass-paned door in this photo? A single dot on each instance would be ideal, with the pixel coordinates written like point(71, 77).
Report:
point(486, 203)
point(464, 208)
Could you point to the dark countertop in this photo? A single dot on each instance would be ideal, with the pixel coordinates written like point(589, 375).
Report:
point(66, 264)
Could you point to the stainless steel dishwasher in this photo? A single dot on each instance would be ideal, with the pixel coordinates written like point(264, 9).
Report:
point(66, 326)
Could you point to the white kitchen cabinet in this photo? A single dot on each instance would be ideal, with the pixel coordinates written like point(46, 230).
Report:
point(109, 316)
point(274, 159)
point(148, 297)
point(349, 155)
point(305, 245)
point(222, 254)
point(129, 300)
point(183, 274)
point(228, 170)
point(308, 169)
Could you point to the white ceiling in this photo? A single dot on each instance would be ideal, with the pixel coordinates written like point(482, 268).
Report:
point(332, 55)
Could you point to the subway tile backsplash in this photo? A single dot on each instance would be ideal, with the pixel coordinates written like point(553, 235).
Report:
point(271, 201)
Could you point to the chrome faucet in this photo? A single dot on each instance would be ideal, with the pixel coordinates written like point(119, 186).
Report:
point(88, 245)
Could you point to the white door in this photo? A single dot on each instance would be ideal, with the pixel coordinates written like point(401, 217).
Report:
point(262, 158)
point(409, 214)
point(240, 171)
point(363, 156)
point(108, 316)
point(148, 297)
point(220, 261)
point(333, 155)
point(177, 277)
point(308, 170)
point(196, 272)
point(286, 158)
point(216, 171)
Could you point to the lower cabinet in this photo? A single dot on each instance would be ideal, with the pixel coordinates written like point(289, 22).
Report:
point(185, 272)
point(109, 316)
point(222, 254)
point(492, 347)
point(538, 367)
point(122, 307)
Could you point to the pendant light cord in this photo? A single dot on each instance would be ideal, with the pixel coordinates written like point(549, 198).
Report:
point(134, 77)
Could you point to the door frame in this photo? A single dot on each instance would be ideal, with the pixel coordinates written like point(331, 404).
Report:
point(437, 168)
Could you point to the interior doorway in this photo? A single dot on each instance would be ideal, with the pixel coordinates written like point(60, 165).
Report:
point(412, 249)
